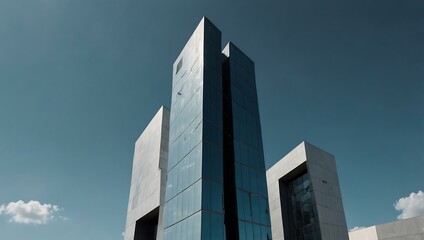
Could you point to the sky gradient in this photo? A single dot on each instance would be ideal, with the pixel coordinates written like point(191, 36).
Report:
point(81, 79)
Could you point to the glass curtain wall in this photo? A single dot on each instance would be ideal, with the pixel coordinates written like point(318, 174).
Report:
point(303, 221)
point(194, 192)
point(247, 153)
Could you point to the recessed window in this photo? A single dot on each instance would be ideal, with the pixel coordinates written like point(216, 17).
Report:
point(179, 65)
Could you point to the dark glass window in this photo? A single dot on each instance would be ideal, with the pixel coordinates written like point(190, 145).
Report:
point(216, 197)
point(249, 231)
point(242, 231)
point(206, 195)
point(217, 226)
point(179, 65)
point(301, 214)
point(206, 226)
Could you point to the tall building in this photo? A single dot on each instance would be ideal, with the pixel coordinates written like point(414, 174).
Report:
point(406, 229)
point(244, 166)
point(147, 192)
point(216, 183)
point(304, 196)
point(212, 185)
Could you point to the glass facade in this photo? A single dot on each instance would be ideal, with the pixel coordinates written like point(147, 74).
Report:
point(302, 217)
point(247, 151)
point(197, 200)
point(194, 190)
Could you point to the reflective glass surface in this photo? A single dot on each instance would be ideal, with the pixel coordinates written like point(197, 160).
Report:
point(194, 187)
point(250, 179)
point(302, 217)
point(195, 201)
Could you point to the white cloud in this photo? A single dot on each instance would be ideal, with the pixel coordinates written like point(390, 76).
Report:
point(356, 228)
point(411, 206)
point(31, 212)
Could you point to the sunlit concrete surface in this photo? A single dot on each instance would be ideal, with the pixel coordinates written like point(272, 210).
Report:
point(147, 192)
point(320, 168)
point(407, 229)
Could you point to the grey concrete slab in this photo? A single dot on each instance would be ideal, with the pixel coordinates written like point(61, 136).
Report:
point(321, 168)
point(147, 191)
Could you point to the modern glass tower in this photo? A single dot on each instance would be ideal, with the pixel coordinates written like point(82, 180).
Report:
point(244, 170)
point(216, 183)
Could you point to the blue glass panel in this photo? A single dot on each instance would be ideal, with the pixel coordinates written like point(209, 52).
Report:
point(253, 181)
point(255, 209)
point(264, 210)
point(206, 226)
point(217, 197)
point(242, 230)
point(240, 205)
point(207, 160)
point(216, 164)
point(206, 195)
point(247, 206)
point(217, 226)
point(249, 231)
point(238, 174)
point(257, 232)
point(245, 177)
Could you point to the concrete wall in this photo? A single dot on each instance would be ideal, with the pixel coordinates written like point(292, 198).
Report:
point(321, 167)
point(287, 164)
point(148, 180)
point(407, 229)
point(369, 233)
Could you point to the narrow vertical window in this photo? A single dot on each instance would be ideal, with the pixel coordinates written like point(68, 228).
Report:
point(179, 65)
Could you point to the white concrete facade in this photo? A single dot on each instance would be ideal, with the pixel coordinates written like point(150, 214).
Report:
point(148, 180)
point(321, 167)
point(407, 229)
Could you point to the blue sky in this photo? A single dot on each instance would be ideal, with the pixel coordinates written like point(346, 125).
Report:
point(80, 80)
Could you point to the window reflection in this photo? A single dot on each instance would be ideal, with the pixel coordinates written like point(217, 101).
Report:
point(302, 215)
